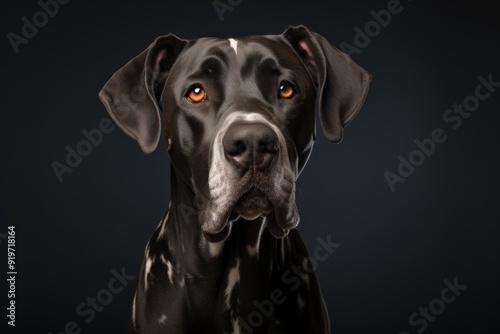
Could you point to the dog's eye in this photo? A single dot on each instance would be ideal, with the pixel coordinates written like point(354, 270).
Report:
point(197, 94)
point(286, 90)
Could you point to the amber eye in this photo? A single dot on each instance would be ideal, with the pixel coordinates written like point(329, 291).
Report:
point(197, 94)
point(286, 90)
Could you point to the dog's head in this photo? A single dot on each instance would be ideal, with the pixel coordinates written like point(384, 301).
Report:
point(238, 116)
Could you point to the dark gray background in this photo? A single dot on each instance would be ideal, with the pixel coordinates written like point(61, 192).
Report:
point(396, 248)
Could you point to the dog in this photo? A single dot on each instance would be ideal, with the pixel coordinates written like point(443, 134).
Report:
point(238, 117)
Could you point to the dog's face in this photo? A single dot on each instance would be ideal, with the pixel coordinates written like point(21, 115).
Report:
point(238, 117)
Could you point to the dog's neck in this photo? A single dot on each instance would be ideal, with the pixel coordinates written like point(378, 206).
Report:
point(246, 240)
point(213, 272)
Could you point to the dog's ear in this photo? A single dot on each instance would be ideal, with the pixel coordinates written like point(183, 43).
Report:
point(342, 84)
point(131, 95)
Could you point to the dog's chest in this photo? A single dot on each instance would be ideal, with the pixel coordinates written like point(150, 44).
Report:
point(220, 288)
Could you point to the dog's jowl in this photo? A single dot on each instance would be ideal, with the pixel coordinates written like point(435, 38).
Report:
point(238, 116)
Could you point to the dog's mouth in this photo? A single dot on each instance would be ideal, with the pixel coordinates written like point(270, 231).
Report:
point(252, 204)
point(279, 211)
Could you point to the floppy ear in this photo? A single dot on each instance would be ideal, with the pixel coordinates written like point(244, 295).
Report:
point(342, 84)
point(131, 95)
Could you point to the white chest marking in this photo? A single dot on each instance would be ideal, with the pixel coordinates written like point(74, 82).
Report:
point(133, 309)
point(232, 280)
point(234, 44)
point(215, 248)
point(162, 319)
point(236, 326)
point(169, 269)
point(253, 250)
point(149, 262)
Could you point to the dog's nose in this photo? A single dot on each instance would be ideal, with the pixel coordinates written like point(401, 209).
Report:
point(250, 145)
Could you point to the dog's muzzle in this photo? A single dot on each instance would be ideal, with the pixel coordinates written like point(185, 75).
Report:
point(251, 148)
point(250, 177)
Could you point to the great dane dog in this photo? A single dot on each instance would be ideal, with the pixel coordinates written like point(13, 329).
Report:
point(238, 117)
